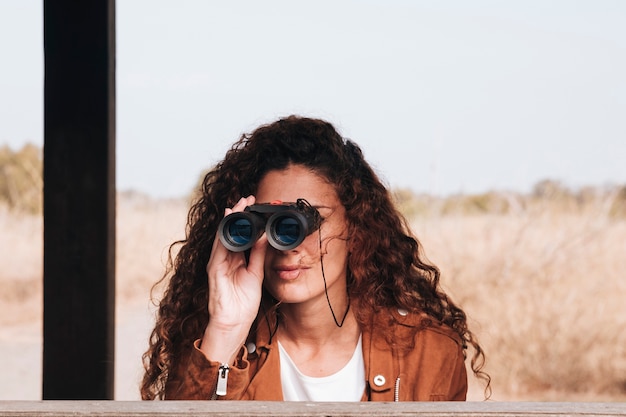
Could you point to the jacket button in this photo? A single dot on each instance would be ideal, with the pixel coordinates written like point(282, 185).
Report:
point(402, 312)
point(379, 380)
point(251, 347)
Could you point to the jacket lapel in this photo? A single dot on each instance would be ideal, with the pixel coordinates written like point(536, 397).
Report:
point(265, 385)
point(379, 364)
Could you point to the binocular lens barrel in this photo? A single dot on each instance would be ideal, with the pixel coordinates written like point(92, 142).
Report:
point(286, 231)
point(238, 231)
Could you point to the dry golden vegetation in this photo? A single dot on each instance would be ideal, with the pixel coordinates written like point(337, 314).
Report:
point(544, 286)
point(21, 178)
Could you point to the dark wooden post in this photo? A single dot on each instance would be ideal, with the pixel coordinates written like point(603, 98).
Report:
point(79, 199)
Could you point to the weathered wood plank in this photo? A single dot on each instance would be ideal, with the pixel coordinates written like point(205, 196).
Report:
point(258, 408)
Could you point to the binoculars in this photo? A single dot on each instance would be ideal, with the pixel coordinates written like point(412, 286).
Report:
point(285, 224)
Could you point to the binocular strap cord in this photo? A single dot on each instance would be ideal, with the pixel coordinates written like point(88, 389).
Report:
point(326, 288)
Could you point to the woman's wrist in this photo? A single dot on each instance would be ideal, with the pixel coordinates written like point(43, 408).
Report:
point(223, 344)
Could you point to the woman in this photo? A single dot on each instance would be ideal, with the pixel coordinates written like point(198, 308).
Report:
point(352, 313)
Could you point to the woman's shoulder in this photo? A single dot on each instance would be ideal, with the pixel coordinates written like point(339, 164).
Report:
point(415, 323)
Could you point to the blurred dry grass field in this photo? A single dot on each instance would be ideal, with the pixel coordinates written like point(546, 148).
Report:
point(145, 228)
point(544, 287)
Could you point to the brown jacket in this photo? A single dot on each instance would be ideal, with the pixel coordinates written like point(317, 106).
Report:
point(432, 368)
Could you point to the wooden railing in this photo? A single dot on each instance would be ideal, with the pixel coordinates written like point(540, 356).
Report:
point(257, 408)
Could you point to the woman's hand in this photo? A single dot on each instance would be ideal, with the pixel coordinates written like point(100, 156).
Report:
point(234, 295)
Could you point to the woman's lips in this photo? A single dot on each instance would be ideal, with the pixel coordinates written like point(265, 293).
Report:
point(288, 272)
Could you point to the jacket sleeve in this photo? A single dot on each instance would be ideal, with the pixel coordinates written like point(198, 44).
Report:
point(458, 380)
point(195, 378)
point(450, 378)
point(437, 366)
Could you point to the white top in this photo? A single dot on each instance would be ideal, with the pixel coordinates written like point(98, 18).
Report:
point(348, 384)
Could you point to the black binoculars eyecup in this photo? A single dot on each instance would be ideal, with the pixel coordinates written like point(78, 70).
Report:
point(239, 231)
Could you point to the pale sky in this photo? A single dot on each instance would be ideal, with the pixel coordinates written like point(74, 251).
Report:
point(443, 96)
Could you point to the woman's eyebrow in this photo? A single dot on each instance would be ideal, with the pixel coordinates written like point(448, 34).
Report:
point(320, 206)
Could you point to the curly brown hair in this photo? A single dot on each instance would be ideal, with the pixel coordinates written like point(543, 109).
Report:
point(385, 265)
